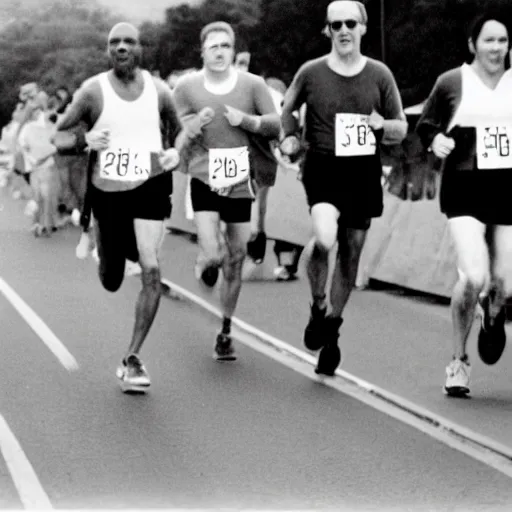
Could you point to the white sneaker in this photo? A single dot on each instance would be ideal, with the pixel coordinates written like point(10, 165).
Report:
point(457, 378)
point(84, 247)
point(95, 255)
point(133, 375)
point(75, 217)
point(31, 208)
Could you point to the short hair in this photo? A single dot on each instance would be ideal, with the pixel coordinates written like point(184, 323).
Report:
point(478, 23)
point(217, 26)
point(362, 11)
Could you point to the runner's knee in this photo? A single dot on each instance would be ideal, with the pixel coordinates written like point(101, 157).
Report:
point(475, 278)
point(150, 278)
point(324, 241)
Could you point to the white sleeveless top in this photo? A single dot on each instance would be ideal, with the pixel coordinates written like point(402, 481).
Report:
point(489, 111)
point(135, 137)
point(479, 104)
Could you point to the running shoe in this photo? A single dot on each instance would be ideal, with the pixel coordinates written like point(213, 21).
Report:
point(314, 332)
point(284, 273)
point(256, 248)
point(207, 276)
point(457, 378)
point(75, 217)
point(31, 208)
point(224, 350)
point(133, 375)
point(492, 337)
point(330, 354)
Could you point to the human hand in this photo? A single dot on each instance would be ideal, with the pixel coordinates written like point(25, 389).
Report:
point(290, 145)
point(169, 159)
point(442, 145)
point(375, 121)
point(195, 123)
point(98, 140)
point(234, 116)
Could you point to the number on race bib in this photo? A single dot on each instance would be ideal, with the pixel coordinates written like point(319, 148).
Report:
point(493, 147)
point(125, 165)
point(228, 167)
point(353, 136)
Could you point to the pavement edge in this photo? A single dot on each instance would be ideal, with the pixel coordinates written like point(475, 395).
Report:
point(419, 413)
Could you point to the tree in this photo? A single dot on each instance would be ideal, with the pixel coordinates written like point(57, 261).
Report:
point(53, 44)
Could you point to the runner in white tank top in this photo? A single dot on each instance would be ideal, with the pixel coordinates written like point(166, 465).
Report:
point(467, 122)
point(125, 109)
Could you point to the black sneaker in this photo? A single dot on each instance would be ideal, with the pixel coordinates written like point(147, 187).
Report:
point(207, 276)
point(491, 338)
point(256, 248)
point(314, 333)
point(224, 350)
point(330, 355)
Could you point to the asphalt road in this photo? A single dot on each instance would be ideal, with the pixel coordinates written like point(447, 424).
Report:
point(252, 434)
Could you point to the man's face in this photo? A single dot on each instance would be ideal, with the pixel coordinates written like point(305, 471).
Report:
point(124, 48)
point(345, 28)
point(218, 51)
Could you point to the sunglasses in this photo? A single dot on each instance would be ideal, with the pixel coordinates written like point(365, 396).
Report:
point(336, 26)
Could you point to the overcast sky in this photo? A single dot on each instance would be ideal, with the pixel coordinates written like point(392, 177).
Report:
point(138, 10)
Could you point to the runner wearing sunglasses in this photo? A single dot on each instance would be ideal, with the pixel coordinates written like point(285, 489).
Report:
point(352, 105)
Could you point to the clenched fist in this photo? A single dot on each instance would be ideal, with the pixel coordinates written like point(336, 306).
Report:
point(442, 145)
point(169, 159)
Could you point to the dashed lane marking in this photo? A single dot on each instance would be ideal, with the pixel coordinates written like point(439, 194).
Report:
point(39, 327)
point(25, 480)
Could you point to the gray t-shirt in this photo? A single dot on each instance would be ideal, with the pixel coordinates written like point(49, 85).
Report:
point(326, 93)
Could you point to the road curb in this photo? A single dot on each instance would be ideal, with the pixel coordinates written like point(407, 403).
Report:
point(438, 422)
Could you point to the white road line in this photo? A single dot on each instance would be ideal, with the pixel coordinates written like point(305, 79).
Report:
point(29, 488)
point(39, 327)
point(463, 439)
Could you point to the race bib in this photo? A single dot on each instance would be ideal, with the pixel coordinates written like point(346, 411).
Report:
point(227, 167)
point(353, 136)
point(493, 147)
point(123, 164)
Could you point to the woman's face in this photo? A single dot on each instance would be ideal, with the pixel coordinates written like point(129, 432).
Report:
point(491, 46)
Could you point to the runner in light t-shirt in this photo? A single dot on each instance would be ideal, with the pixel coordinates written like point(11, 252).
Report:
point(220, 163)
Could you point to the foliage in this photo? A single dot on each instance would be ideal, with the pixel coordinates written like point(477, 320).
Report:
point(64, 42)
point(57, 44)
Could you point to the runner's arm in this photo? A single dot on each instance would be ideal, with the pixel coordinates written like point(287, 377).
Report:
point(80, 109)
point(395, 122)
point(436, 114)
point(168, 115)
point(293, 100)
point(189, 119)
point(267, 122)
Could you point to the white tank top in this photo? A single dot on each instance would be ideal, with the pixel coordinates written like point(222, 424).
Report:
point(131, 123)
point(135, 129)
point(480, 104)
point(489, 111)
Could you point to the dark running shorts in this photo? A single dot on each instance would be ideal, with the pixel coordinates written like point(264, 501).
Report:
point(151, 200)
point(231, 210)
point(482, 194)
point(114, 213)
point(351, 184)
